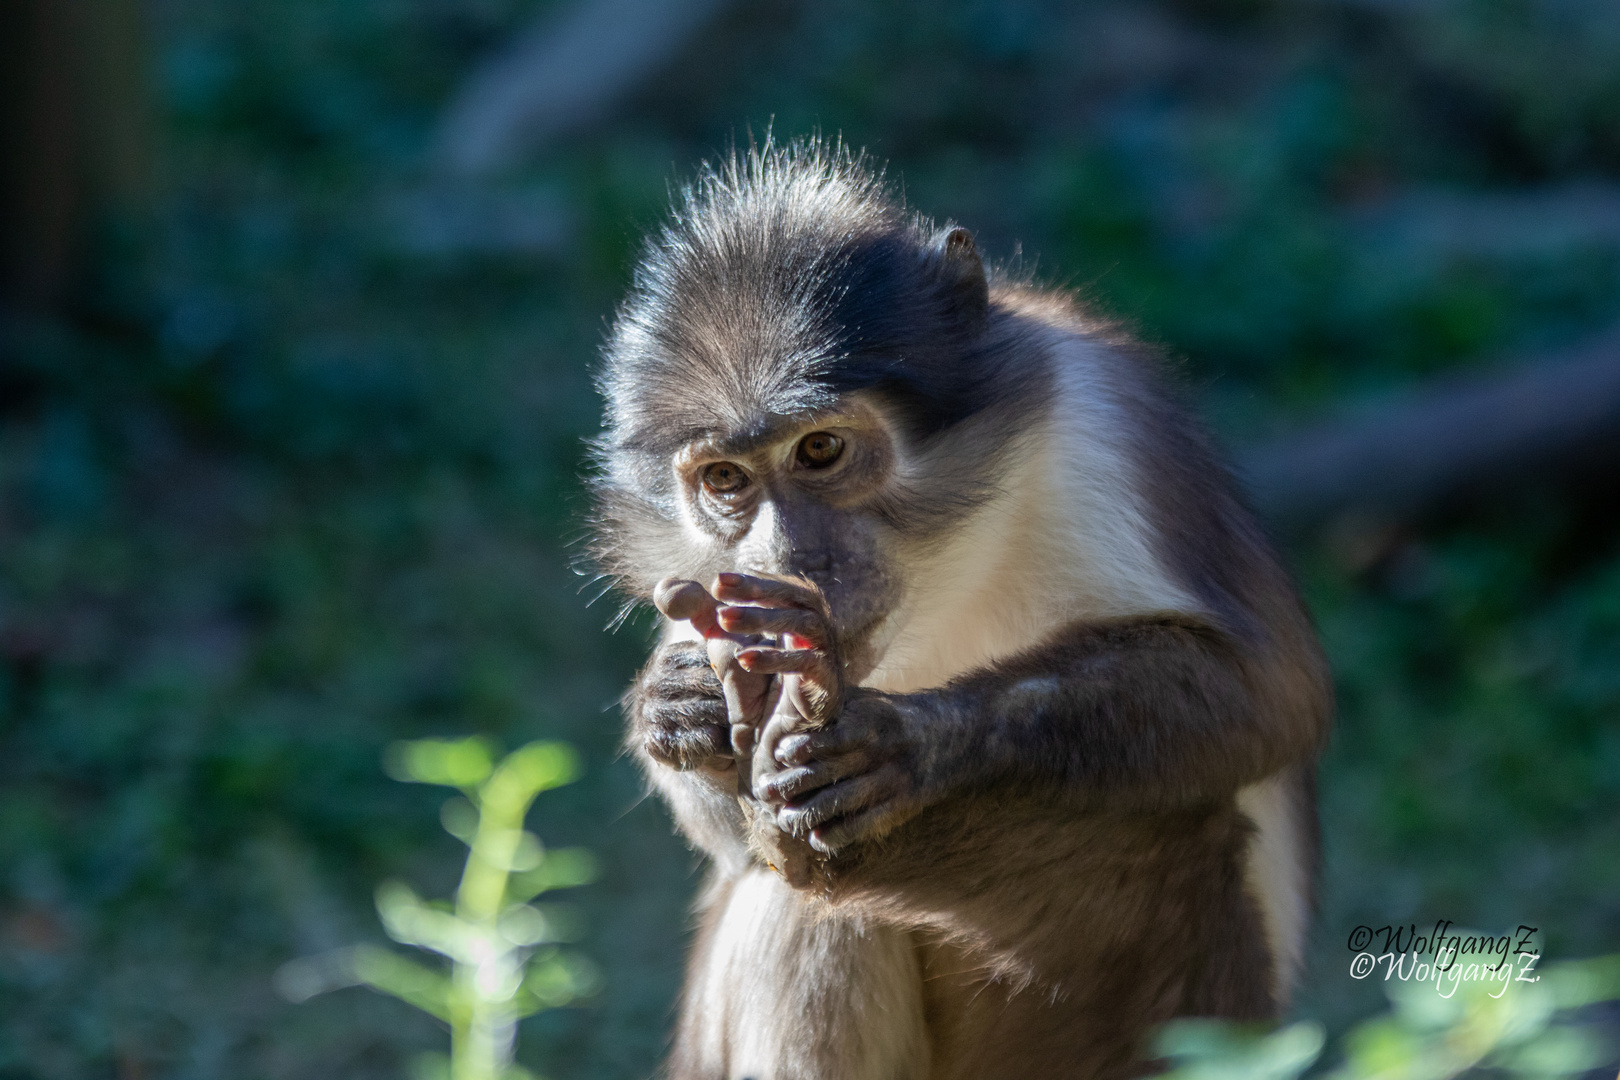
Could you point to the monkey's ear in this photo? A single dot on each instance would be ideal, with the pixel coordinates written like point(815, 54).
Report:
point(962, 271)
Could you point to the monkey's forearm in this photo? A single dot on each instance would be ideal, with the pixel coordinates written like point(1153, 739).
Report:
point(1142, 714)
point(1139, 715)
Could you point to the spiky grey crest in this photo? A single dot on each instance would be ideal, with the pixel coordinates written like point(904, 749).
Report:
point(730, 296)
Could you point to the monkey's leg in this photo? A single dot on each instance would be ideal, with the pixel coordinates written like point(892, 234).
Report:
point(781, 988)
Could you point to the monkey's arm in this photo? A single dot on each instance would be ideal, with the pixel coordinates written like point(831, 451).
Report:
point(1153, 713)
point(1143, 714)
point(680, 733)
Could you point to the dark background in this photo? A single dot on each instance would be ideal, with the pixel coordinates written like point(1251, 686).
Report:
point(293, 394)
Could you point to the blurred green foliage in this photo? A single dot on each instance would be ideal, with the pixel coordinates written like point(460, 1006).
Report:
point(294, 479)
point(1510, 1023)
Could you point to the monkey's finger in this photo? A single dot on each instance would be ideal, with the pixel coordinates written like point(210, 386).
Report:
point(835, 836)
point(767, 592)
point(785, 787)
point(805, 624)
point(686, 601)
point(792, 750)
point(803, 747)
point(836, 801)
point(680, 598)
point(812, 663)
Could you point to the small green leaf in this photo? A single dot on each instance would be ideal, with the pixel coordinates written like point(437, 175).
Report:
point(460, 763)
point(541, 766)
point(407, 980)
point(563, 868)
point(1558, 1051)
point(523, 925)
point(509, 849)
point(409, 921)
point(1215, 1050)
point(460, 819)
point(560, 979)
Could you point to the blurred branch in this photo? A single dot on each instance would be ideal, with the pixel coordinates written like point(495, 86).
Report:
point(1543, 420)
point(560, 75)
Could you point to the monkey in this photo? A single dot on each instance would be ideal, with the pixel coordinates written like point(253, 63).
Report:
point(1052, 778)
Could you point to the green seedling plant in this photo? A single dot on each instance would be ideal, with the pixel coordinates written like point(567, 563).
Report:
point(505, 959)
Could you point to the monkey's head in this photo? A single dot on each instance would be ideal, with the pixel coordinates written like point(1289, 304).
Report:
point(803, 380)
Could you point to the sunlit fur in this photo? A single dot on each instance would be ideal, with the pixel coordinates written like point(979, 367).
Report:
point(782, 989)
point(1050, 504)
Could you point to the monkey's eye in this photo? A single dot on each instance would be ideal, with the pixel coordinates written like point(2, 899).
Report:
point(724, 478)
point(819, 449)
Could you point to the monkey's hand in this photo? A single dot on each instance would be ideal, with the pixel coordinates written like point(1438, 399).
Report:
point(794, 613)
point(789, 630)
point(748, 697)
point(678, 715)
point(854, 780)
point(845, 769)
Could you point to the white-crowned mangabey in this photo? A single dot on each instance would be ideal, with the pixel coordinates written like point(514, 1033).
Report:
point(1055, 784)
